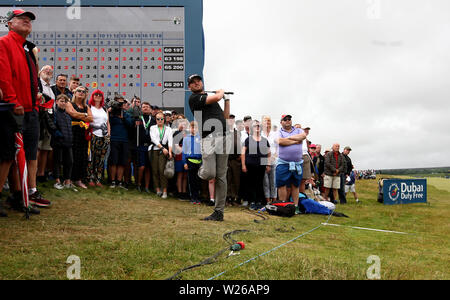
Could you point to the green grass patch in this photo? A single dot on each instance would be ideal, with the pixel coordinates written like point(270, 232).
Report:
point(127, 235)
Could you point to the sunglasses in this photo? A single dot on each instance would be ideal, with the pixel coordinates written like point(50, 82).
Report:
point(98, 95)
point(160, 119)
point(81, 91)
point(287, 119)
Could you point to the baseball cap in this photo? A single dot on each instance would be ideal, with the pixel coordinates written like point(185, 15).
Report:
point(19, 12)
point(348, 148)
point(312, 146)
point(192, 77)
point(307, 128)
point(285, 116)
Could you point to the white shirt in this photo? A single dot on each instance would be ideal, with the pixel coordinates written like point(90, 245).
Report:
point(46, 89)
point(100, 118)
point(154, 135)
point(244, 136)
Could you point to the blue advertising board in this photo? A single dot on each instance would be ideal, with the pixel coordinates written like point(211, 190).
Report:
point(404, 191)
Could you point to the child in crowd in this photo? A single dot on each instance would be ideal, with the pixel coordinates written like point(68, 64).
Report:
point(193, 159)
point(61, 143)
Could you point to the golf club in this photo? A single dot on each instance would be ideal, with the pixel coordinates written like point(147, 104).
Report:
point(173, 90)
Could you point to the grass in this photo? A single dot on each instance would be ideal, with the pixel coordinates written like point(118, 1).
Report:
point(127, 235)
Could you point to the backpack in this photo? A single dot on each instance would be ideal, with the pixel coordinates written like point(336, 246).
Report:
point(282, 209)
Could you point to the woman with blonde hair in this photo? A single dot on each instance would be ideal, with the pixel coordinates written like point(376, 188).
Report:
point(270, 190)
point(81, 117)
point(161, 150)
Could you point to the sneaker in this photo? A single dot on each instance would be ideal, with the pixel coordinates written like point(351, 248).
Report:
point(164, 196)
point(211, 202)
point(139, 189)
point(215, 216)
point(91, 184)
point(297, 210)
point(252, 206)
point(58, 186)
point(81, 184)
point(159, 194)
point(147, 190)
point(98, 184)
point(123, 186)
point(37, 200)
point(244, 203)
point(71, 187)
point(113, 185)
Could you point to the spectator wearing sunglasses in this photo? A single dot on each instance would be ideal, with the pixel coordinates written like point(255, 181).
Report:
point(81, 117)
point(161, 150)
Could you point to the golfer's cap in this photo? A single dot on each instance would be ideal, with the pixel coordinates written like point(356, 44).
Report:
point(312, 146)
point(246, 118)
point(19, 12)
point(285, 116)
point(348, 148)
point(192, 77)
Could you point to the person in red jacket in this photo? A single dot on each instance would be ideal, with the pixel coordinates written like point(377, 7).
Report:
point(19, 82)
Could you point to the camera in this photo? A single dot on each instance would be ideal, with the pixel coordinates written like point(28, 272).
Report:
point(116, 108)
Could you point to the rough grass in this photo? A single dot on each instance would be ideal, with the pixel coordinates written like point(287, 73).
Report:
point(126, 235)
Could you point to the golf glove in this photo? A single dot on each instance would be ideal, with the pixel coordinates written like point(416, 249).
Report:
point(226, 97)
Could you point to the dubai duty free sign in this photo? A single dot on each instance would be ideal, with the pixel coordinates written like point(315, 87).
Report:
point(404, 191)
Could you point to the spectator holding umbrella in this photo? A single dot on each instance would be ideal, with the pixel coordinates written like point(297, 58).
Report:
point(19, 82)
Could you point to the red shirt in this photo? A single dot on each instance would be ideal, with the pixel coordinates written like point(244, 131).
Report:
point(336, 155)
point(15, 80)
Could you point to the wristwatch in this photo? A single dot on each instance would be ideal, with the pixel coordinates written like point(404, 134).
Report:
point(85, 115)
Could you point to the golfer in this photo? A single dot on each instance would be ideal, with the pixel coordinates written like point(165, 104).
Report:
point(211, 118)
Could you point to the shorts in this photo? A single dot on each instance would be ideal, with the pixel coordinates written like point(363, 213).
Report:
point(119, 153)
point(306, 167)
point(350, 188)
point(142, 156)
point(179, 166)
point(7, 136)
point(332, 182)
point(285, 177)
point(44, 144)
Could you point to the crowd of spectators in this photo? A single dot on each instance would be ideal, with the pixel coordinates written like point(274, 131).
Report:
point(77, 139)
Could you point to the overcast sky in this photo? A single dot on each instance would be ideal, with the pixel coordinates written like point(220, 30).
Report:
point(374, 75)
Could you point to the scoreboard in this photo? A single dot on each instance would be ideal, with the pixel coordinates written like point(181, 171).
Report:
point(120, 49)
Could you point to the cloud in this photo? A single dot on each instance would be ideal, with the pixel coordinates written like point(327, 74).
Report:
point(380, 85)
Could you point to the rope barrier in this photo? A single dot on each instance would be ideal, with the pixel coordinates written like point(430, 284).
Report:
point(273, 249)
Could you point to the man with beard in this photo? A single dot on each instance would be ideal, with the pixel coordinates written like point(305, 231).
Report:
point(211, 117)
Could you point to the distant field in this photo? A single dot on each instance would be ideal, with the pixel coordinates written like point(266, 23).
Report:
point(440, 183)
point(126, 235)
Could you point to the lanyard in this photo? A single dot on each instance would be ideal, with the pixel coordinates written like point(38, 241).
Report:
point(161, 134)
point(146, 124)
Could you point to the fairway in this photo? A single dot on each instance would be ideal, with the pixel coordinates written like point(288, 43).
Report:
point(125, 235)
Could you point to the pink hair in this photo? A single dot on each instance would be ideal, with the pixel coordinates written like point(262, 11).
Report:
point(91, 100)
